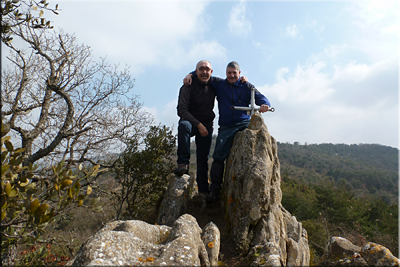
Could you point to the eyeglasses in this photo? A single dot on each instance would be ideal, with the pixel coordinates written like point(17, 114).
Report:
point(207, 69)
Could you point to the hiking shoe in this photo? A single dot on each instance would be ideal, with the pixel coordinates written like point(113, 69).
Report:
point(182, 169)
point(212, 197)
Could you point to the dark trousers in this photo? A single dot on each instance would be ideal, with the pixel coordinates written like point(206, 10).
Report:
point(203, 145)
point(222, 149)
point(217, 175)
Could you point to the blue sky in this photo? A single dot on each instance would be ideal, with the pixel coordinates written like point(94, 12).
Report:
point(330, 68)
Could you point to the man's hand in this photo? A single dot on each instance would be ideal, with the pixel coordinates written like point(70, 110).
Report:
point(243, 79)
point(202, 129)
point(264, 108)
point(188, 80)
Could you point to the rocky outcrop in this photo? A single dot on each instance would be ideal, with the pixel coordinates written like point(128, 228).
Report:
point(341, 252)
point(378, 255)
point(175, 201)
point(262, 229)
point(136, 243)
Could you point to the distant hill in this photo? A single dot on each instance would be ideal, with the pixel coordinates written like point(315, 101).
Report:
point(364, 168)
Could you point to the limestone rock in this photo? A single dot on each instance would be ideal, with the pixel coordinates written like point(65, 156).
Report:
point(252, 199)
point(378, 255)
point(212, 240)
point(265, 255)
point(340, 247)
point(175, 201)
point(136, 243)
point(341, 252)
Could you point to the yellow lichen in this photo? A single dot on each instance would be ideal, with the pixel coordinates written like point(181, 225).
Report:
point(211, 244)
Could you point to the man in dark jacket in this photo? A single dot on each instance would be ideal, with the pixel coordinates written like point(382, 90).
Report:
point(195, 109)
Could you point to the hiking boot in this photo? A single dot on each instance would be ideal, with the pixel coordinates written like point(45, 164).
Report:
point(212, 197)
point(182, 169)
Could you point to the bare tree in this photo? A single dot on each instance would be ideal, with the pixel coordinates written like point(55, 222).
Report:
point(60, 104)
point(63, 104)
point(20, 12)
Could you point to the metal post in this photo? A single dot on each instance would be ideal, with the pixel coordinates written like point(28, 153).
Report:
point(252, 109)
point(252, 101)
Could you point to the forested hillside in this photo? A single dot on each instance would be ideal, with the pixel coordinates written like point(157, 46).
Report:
point(342, 190)
point(366, 169)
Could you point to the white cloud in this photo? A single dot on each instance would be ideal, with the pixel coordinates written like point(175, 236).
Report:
point(238, 24)
point(373, 12)
point(352, 71)
point(338, 107)
point(140, 33)
point(364, 85)
point(378, 28)
point(333, 50)
point(306, 85)
point(166, 114)
point(169, 114)
point(292, 31)
point(280, 73)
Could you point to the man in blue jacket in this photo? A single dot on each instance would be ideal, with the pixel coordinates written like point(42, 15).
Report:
point(230, 92)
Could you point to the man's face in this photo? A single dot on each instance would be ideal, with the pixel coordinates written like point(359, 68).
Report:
point(204, 71)
point(232, 74)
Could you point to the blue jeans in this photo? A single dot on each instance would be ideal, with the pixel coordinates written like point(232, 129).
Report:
point(203, 145)
point(225, 139)
point(223, 145)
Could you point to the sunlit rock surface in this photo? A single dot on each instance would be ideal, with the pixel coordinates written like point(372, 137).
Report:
point(175, 201)
point(262, 229)
point(136, 243)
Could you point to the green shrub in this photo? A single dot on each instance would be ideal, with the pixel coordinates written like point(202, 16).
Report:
point(142, 172)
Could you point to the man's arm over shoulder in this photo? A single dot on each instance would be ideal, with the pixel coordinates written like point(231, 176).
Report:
point(183, 106)
point(214, 79)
